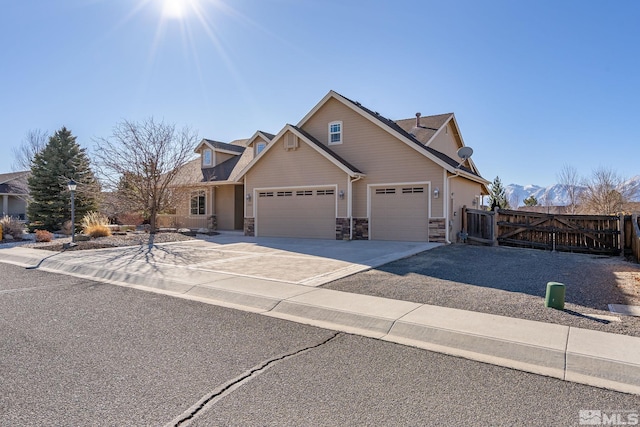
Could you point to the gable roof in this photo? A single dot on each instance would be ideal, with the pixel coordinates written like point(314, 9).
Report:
point(220, 146)
point(6, 177)
point(14, 183)
point(396, 130)
point(323, 150)
point(429, 126)
point(264, 135)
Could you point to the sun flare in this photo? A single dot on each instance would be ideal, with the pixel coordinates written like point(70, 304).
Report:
point(174, 9)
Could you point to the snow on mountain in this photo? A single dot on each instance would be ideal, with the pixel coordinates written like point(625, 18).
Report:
point(553, 195)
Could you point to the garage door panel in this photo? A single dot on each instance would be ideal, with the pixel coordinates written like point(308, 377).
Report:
point(297, 213)
point(400, 213)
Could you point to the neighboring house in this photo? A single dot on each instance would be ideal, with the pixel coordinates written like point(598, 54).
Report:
point(343, 172)
point(14, 192)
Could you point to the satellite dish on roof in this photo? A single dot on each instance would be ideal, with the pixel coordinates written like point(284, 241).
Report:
point(464, 153)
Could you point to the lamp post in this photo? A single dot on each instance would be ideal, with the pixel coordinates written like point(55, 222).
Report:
point(72, 188)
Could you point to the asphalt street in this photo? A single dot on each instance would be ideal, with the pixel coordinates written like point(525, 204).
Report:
point(77, 352)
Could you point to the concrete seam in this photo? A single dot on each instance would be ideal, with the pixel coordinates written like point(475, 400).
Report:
point(566, 351)
point(230, 386)
point(395, 320)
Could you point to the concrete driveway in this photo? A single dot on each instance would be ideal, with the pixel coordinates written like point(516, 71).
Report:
point(228, 256)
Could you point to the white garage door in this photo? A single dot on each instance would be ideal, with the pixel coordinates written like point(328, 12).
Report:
point(297, 213)
point(400, 213)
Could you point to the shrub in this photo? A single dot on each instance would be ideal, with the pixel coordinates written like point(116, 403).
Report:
point(92, 219)
point(97, 230)
point(44, 236)
point(95, 225)
point(11, 226)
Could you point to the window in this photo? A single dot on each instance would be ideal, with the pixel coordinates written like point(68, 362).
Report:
point(260, 146)
point(304, 193)
point(198, 203)
point(335, 133)
point(325, 192)
point(413, 190)
point(266, 194)
point(207, 157)
point(284, 193)
point(385, 191)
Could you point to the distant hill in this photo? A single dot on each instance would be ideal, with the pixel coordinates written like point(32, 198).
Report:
point(553, 195)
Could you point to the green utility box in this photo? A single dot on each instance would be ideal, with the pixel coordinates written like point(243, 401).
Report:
point(555, 295)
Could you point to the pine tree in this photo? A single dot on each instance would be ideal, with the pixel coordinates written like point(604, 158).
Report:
point(498, 195)
point(61, 160)
point(531, 201)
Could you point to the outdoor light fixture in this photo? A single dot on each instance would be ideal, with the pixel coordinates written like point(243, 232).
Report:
point(341, 194)
point(71, 185)
point(436, 193)
point(248, 196)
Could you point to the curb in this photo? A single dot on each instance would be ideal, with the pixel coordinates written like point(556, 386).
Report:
point(584, 356)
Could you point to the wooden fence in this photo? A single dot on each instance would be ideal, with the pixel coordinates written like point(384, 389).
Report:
point(634, 237)
point(598, 234)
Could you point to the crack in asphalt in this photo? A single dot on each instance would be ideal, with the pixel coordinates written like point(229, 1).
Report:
point(235, 383)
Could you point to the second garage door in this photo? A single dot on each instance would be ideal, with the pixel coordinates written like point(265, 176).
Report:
point(297, 213)
point(400, 213)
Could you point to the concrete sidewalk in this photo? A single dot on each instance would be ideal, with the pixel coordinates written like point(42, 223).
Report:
point(226, 276)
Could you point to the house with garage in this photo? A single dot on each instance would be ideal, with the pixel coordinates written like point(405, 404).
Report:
point(342, 172)
point(14, 193)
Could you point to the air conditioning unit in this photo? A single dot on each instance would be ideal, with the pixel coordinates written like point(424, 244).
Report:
point(290, 142)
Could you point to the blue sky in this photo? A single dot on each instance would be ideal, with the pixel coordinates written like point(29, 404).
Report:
point(533, 84)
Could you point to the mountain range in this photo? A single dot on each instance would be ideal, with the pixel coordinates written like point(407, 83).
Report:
point(554, 195)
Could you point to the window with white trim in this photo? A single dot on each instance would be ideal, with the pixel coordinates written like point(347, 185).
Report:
point(198, 200)
point(335, 133)
point(260, 146)
point(325, 192)
point(207, 157)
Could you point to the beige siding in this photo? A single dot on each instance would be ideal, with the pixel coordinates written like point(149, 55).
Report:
point(302, 167)
point(224, 207)
point(445, 142)
point(464, 193)
point(375, 152)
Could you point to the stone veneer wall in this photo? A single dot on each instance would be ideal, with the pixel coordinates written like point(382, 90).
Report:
point(360, 228)
point(437, 230)
point(342, 229)
point(249, 227)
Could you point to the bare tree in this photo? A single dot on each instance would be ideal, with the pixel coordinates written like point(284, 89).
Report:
point(140, 163)
point(33, 143)
point(605, 192)
point(569, 180)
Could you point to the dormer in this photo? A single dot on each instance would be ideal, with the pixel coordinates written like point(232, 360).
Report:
point(212, 153)
point(259, 141)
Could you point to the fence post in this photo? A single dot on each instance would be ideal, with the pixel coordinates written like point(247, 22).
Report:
point(621, 237)
point(494, 227)
point(464, 218)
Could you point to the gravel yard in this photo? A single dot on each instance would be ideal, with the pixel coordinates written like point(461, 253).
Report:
point(509, 282)
point(129, 239)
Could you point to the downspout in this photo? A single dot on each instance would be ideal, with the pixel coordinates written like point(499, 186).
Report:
point(448, 200)
point(350, 204)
